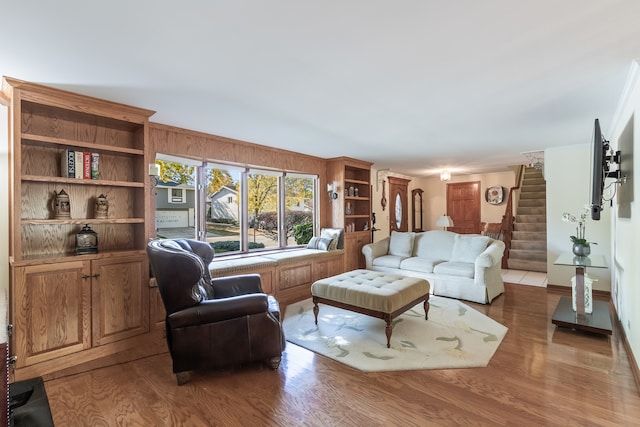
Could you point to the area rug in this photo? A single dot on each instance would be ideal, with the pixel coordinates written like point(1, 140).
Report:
point(455, 336)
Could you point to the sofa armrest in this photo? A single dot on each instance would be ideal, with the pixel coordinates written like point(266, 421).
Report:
point(372, 251)
point(492, 255)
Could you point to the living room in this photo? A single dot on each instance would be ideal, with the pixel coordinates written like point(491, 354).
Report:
point(566, 169)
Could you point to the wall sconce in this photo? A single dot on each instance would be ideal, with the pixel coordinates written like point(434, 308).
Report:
point(444, 221)
point(332, 190)
point(154, 173)
point(445, 175)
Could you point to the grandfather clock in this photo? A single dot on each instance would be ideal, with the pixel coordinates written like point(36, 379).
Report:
point(398, 214)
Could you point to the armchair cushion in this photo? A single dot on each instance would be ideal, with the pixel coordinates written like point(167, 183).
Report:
point(217, 310)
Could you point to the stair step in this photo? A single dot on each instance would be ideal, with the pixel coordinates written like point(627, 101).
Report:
point(529, 235)
point(533, 180)
point(532, 203)
point(535, 187)
point(532, 210)
point(533, 227)
point(517, 254)
point(538, 219)
point(531, 245)
point(540, 195)
point(540, 266)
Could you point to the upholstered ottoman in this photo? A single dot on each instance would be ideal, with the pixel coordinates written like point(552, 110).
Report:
point(372, 293)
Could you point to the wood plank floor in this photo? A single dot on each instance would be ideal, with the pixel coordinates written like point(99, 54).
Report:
point(540, 375)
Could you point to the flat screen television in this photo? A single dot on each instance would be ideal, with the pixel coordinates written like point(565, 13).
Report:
point(600, 169)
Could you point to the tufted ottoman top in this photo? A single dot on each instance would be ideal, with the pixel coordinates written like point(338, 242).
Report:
point(371, 289)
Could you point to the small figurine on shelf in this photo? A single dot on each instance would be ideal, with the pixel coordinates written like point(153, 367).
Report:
point(351, 191)
point(347, 210)
point(366, 227)
point(102, 207)
point(61, 205)
point(356, 192)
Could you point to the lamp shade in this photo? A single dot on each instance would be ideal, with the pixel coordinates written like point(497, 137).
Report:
point(444, 221)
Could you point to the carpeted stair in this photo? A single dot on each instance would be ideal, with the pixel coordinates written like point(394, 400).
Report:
point(529, 240)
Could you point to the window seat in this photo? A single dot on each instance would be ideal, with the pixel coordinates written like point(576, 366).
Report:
point(286, 274)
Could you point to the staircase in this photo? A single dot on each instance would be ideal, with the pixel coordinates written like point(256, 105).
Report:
point(529, 241)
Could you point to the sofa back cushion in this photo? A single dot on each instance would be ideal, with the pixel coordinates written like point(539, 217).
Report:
point(401, 244)
point(434, 244)
point(467, 247)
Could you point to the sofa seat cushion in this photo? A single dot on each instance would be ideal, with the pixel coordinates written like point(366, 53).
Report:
point(389, 261)
point(423, 265)
point(462, 269)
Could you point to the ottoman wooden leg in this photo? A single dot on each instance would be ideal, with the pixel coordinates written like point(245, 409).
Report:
point(316, 309)
point(426, 308)
point(388, 330)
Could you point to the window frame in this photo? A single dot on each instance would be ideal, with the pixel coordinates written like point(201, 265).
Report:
point(242, 199)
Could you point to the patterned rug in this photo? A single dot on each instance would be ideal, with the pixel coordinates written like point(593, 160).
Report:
point(455, 336)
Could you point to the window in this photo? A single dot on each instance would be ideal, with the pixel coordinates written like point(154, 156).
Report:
point(300, 208)
point(176, 198)
point(236, 210)
point(177, 195)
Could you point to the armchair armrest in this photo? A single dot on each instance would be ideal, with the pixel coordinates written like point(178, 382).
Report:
point(375, 250)
point(231, 286)
point(217, 310)
point(491, 255)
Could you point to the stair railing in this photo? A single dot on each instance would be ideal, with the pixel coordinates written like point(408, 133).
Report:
point(509, 218)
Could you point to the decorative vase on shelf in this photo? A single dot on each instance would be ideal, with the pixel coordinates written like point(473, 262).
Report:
point(580, 249)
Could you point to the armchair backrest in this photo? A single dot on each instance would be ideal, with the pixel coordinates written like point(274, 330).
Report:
point(180, 271)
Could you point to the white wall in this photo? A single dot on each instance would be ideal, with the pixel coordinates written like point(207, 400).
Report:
point(626, 231)
point(568, 176)
point(4, 224)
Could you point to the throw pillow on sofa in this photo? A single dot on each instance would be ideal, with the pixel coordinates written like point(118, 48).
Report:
point(466, 248)
point(401, 244)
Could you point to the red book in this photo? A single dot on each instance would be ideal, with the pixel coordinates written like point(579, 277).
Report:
point(86, 165)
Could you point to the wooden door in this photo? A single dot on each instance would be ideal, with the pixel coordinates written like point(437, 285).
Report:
point(398, 214)
point(120, 298)
point(463, 206)
point(51, 310)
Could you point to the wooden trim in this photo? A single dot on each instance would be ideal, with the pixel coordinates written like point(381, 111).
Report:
point(630, 356)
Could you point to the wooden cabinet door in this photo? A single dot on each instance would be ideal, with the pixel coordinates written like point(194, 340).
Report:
point(353, 243)
point(120, 298)
point(51, 311)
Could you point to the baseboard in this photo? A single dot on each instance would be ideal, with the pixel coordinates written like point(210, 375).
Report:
point(632, 360)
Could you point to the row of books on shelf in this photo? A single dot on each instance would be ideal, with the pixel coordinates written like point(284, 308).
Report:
point(80, 164)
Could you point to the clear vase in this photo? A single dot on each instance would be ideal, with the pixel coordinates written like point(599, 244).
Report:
point(581, 250)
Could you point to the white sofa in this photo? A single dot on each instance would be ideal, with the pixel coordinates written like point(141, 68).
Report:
point(464, 266)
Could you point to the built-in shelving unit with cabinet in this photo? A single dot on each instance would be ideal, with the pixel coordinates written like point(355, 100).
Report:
point(352, 209)
point(62, 303)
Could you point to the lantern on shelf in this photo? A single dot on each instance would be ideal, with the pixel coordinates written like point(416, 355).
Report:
point(86, 241)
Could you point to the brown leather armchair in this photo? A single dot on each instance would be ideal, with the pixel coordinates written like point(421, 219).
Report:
point(212, 323)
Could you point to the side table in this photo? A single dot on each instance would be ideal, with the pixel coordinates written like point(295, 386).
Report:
point(599, 320)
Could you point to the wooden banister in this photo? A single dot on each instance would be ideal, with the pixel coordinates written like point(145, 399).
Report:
point(508, 219)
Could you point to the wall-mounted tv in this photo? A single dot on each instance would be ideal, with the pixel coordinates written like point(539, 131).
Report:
point(600, 167)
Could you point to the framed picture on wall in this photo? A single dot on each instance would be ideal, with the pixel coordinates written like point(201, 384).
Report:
point(494, 195)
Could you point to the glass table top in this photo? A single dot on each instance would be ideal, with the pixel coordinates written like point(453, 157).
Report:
point(594, 261)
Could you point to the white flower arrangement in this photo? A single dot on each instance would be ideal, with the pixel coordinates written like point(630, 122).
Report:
point(581, 220)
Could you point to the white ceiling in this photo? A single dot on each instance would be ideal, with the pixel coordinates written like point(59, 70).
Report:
point(411, 85)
